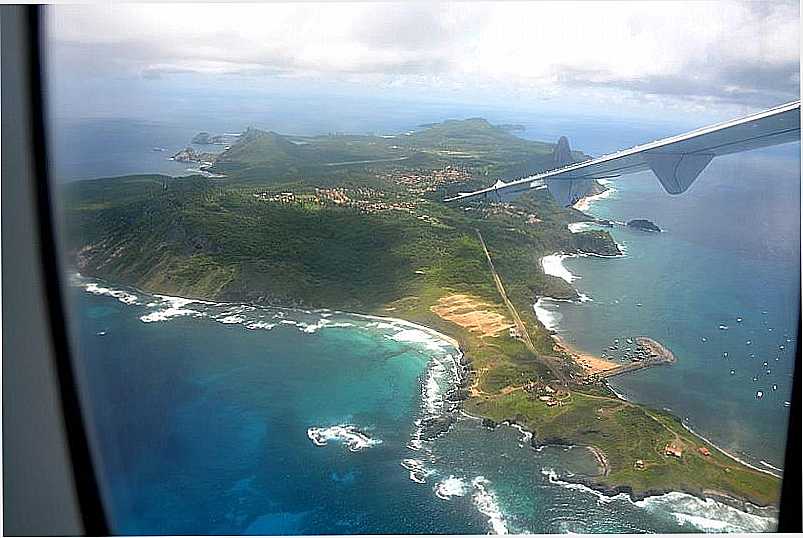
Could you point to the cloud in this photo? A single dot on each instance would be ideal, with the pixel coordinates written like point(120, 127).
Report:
point(737, 52)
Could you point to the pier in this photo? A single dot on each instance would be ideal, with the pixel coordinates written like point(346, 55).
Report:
point(652, 353)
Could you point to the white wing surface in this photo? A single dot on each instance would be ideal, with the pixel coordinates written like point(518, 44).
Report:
point(676, 161)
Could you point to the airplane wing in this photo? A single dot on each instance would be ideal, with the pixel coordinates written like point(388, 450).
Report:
point(676, 161)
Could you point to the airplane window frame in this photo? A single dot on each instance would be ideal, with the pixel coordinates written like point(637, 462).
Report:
point(93, 514)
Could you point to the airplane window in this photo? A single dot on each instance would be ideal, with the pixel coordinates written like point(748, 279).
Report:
point(431, 269)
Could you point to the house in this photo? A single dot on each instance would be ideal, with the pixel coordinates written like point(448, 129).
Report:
point(673, 449)
point(639, 465)
point(704, 451)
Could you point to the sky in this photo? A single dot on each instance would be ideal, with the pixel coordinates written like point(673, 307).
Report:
point(635, 58)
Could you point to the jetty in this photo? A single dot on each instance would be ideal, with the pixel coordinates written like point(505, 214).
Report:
point(648, 353)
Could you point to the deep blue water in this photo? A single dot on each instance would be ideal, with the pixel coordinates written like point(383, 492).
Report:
point(201, 414)
point(201, 423)
point(730, 249)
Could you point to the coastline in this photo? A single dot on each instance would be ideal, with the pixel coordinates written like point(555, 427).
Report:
point(608, 491)
point(612, 491)
point(591, 363)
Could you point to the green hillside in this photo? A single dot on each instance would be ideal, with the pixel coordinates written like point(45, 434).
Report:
point(357, 223)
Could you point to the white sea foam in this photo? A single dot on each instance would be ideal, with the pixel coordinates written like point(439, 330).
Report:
point(172, 307)
point(418, 336)
point(553, 265)
point(584, 204)
point(548, 318)
point(552, 476)
point(230, 320)
point(451, 487)
point(486, 503)
point(418, 473)
point(120, 295)
point(322, 323)
point(771, 466)
point(349, 435)
point(576, 227)
point(431, 389)
point(260, 325)
point(526, 436)
point(707, 515)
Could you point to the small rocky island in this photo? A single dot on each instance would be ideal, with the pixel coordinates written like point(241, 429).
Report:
point(643, 225)
point(190, 155)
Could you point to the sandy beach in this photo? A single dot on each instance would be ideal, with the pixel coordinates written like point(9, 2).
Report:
point(591, 364)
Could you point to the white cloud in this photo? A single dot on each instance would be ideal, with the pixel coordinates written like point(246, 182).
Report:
point(709, 51)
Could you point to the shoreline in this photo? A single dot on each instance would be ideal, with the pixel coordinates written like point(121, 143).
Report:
point(608, 491)
point(588, 361)
point(206, 300)
point(552, 326)
point(612, 491)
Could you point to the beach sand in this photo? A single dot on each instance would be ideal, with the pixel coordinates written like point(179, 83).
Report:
point(591, 364)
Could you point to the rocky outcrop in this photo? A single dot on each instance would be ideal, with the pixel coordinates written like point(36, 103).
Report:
point(490, 424)
point(189, 155)
point(562, 154)
point(432, 427)
point(597, 242)
point(644, 225)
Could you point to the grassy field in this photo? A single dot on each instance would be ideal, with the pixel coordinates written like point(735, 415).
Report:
point(275, 232)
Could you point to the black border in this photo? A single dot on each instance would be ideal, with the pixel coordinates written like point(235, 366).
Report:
point(789, 513)
point(85, 482)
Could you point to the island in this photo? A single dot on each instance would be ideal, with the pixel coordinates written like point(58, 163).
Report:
point(357, 223)
point(644, 225)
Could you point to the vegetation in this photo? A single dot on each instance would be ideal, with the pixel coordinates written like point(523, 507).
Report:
point(357, 223)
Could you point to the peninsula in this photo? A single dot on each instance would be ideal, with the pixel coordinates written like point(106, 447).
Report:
point(356, 223)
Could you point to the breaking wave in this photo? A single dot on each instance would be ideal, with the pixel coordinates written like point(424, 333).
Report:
point(707, 515)
point(486, 502)
point(355, 439)
point(451, 487)
point(553, 266)
point(584, 204)
point(548, 318)
point(170, 307)
point(122, 296)
point(418, 473)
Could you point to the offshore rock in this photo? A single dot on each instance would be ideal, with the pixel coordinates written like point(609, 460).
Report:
point(433, 427)
point(643, 224)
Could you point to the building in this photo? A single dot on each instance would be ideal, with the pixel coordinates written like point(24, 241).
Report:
point(673, 449)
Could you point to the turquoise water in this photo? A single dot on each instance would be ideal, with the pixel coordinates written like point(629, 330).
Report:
point(230, 419)
point(729, 251)
point(202, 413)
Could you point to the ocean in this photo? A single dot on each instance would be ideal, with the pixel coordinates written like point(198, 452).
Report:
point(719, 286)
point(231, 419)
